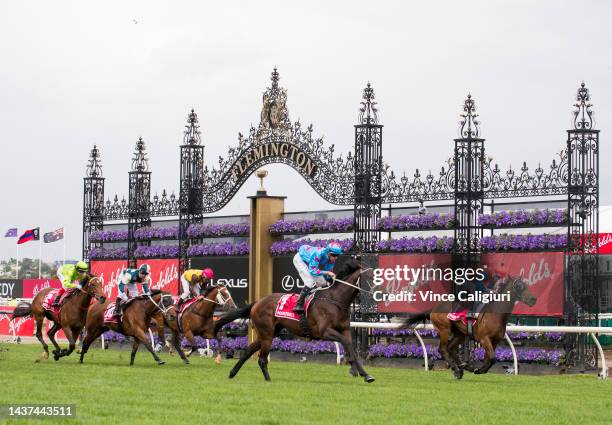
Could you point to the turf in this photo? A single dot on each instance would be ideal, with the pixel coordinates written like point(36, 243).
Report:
point(108, 391)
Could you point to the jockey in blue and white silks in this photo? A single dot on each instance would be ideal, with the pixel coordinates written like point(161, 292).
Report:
point(130, 278)
point(315, 265)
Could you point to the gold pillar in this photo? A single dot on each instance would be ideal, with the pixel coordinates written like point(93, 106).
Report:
point(265, 210)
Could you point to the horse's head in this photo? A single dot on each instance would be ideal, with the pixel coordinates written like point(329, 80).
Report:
point(93, 287)
point(519, 290)
point(219, 293)
point(165, 304)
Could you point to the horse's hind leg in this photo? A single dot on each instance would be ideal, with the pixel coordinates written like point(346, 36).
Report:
point(263, 358)
point(245, 356)
point(135, 346)
point(489, 359)
point(444, 333)
point(39, 335)
point(454, 343)
point(344, 338)
point(51, 334)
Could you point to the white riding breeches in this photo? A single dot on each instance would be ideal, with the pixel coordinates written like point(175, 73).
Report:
point(186, 292)
point(309, 280)
point(133, 290)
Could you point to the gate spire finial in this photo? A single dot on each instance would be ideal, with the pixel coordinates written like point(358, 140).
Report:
point(469, 125)
point(192, 132)
point(140, 161)
point(368, 113)
point(94, 166)
point(583, 115)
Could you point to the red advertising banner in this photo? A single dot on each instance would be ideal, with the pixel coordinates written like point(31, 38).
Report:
point(31, 287)
point(605, 243)
point(404, 284)
point(543, 272)
point(109, 271)
point(23, 326)
point(164, 273)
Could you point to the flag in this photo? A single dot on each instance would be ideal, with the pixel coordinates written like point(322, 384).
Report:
point(29, 235)
point(11, 233)
point(54, 236)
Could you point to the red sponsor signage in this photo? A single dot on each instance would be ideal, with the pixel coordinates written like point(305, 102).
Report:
point(163, 274)
point(22, 326)
point(406, 285)
point(543, 272)
point(109, 271)
point(605, 243)
point(31, 287)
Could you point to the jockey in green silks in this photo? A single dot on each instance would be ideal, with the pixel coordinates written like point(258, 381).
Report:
point(71, 276)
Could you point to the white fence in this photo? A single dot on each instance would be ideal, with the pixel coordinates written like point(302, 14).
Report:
point(590, 330)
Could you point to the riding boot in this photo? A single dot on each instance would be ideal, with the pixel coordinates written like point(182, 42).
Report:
point(118, 306)
point(299, 306)
point(56, 301)
point(179, 304)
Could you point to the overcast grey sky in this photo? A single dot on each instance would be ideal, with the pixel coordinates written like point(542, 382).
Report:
point(77, 73)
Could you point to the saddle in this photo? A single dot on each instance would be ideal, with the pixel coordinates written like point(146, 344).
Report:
point(50, 297)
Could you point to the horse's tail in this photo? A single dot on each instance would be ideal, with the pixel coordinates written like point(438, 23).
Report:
point(241, 313)
point(415, 318)
point(23, 309)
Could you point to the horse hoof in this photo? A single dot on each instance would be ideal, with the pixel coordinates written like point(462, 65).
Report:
point(186, 361)
point(478, 372)
point(369, 379)
point(218, 360)
point(232, 374)
point(458, 374)
point(56, 357)
point(161, 362)
point(45, 355)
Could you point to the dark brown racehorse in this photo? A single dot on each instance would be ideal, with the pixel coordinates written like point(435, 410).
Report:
point(198, 318)
point(489, 329)
point(328, 319)
point(71, 317)
point(135, 322)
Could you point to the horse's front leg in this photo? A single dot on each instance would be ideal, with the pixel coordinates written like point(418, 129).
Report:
point(347, 343)
point(71, 334)
point(489, 359)
point(176, 343)
point(51, 334)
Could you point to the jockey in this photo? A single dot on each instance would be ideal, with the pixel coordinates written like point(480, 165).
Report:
point(68, 274)
point(314, 266)
point(192, 281)
point(130, 278)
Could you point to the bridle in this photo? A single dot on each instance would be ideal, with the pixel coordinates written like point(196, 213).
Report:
point(359, 288)
point(160, 306)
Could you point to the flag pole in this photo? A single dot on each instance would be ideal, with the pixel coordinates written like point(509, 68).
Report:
point(64, 233)
point(17, 267)
point(40, 242)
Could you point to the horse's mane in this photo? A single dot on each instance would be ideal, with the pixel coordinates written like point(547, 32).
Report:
point(348, 268)
point(156, 291)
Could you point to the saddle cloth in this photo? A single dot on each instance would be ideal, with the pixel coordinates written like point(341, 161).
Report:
point(286, 303)
point(461, 315)
point(109, 312)
point(185, 306)
point(48, 300)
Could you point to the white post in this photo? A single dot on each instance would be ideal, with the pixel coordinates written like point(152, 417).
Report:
point(514, 358)
point(424, 347)
point(64, 233)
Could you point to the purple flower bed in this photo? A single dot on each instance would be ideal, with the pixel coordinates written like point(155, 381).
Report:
point(108, 253)
point(515, 336)
point(404, 332)
point(503, 354)
point(215, 230)
point(416, 222)
point(148, 233)
point(157, 251)
point(523, 242)
point(109, 236)
point(406, 244)
point(524, 218)
point(219, 249)
point(319, 225)
point(291, 247)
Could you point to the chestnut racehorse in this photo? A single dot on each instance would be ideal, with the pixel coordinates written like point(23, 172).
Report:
point(489, 329)
point(71, 317)
point(135, 322)
point(328, 318)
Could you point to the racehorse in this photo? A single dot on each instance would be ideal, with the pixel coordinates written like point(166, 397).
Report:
point(197, 318)
point(135, 321)
point(489, 328)
point(328, 318)
point(71, 316)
